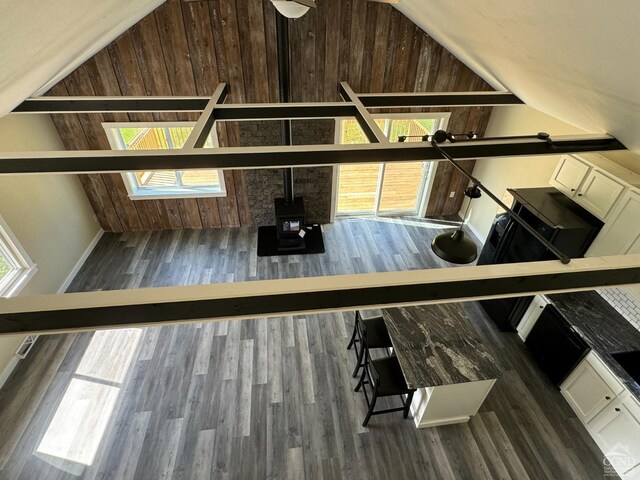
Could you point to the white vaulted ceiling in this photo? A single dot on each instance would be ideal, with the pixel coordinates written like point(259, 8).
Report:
point(577, 60)
point(41, 42)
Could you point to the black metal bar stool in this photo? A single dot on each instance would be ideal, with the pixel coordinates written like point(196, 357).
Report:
point(385, 377)
point(375, 332)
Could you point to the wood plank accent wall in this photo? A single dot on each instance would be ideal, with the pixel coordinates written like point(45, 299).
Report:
point(186, 48)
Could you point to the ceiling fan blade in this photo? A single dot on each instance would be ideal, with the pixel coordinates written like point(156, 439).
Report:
point(306, 3)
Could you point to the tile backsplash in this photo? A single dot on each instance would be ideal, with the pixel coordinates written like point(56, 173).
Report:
point(626, 301)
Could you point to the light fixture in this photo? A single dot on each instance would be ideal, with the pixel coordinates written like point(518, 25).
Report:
point(293, 8)
point(456, 247)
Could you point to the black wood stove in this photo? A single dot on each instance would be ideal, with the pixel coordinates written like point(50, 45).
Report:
point(290, 220)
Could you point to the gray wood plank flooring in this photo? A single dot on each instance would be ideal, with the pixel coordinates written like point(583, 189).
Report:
point(266, 398)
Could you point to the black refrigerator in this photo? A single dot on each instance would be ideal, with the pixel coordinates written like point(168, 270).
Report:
point(556, 217)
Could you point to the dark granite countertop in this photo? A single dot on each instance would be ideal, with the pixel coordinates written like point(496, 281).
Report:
point(437, 345)
point(602, 327)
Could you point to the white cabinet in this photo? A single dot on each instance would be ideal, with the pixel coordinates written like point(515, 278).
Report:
point(593, 181)
point(569, 174)
point(599, 192)
point(621, 233)
point(609, 412)
point(530, 317)
point(617, 432)
point(590, 388)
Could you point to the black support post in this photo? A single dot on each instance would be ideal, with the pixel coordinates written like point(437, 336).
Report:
point(282, 34)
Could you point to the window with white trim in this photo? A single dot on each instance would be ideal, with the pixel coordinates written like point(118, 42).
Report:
point(16, 268)
point(158, 184)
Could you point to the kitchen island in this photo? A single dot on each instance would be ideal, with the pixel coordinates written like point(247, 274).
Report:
point(442, 357)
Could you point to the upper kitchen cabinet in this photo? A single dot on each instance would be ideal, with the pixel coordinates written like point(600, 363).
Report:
point(569, 174)
point(599, 192)
point(621, 232)
point(593, 181)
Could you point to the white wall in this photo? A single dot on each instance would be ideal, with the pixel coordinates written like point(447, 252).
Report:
point(48, 214)
point(498, 174)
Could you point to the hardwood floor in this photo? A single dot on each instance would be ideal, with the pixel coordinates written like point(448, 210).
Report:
point(262, 398)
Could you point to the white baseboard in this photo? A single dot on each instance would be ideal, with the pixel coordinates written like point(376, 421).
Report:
point(445, 421)
point(8, 369)
point(76, 268)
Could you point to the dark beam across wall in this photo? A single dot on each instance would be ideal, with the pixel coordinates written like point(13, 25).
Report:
point(157, 306)
point(295, 156)
point(236, 112)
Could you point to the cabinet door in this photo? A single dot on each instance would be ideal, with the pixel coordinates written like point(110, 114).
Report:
point(531, 316)
point(586, 391)
point(617, 432)
point(599, 192)
point(569, 174)
point(621, 233)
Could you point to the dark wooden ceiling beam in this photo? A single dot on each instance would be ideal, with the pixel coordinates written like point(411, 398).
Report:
point(112, 104)
point(157, 306)
point(292, 156)
point(442, 99)
point(198, 104)
point(279, 111)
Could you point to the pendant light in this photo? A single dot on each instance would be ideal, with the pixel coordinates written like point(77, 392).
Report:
point(293, 8)
point(456, 247)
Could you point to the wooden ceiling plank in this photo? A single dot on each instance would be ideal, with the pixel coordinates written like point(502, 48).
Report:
point(209, 214)
point(344, 58)
point(357, 40)
point(368, 47)
point(229, 29)
point(378, 67)
point(331, 54)
point(244, 52)
point(403, 55)
point(175, 49)
point(202, 49)
point(271, 50)
point(391, 50)
point(435, 54)
point(171, 214)
point(319, 39)
point(127, 72)
point(258, 57)
point(415, 47)
point(148, 51)
point(189, 212)
point(219, 45)
point(244, 213)
point(227, 206)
